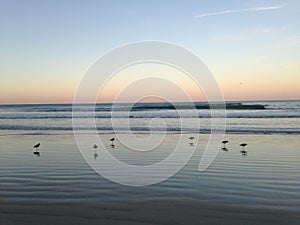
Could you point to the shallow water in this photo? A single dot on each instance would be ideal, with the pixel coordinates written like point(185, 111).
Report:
point(269, 176)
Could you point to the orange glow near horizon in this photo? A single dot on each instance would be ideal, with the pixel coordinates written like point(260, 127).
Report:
point(142, 80)
point(231, 92)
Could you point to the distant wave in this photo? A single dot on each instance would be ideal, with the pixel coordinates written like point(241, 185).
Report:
point(156, 129)
point(256, 117)
point(165, 115)
point(135, 107)
point(149, 117)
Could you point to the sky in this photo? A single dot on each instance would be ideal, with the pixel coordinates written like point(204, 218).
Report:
point(251, 47)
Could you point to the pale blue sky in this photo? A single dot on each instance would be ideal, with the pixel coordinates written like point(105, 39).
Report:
point(48, 45)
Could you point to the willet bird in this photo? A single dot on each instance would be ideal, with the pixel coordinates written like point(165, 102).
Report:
point(95, 146)
point(112, 141)
point(224, 142)
point(37, 146)
point(36, 152)
point(191, 139)
point(243, 145)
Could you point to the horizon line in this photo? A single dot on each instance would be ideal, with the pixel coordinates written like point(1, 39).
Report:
point(98, 103)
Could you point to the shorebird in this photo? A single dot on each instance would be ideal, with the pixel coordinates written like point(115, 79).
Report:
point(95, 146)
point(224, 143)
point(36, 152)
point(243, 145)
point(112, 141)
point(37, 146)
point(95, 155)
point(191, 139)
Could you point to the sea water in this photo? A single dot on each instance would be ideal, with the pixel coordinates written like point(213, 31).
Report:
point(268, 176)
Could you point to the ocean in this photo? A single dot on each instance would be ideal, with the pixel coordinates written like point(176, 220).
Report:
point(268, 176)
point(266, 117)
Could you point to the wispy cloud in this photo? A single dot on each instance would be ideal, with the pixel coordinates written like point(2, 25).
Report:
point(231, 11)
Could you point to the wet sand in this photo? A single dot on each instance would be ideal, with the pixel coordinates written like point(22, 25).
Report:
point(59, 188)
point(183, 212)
